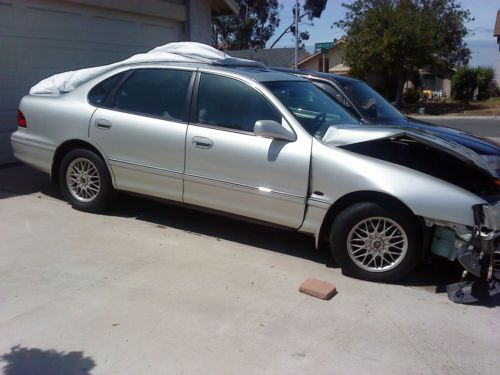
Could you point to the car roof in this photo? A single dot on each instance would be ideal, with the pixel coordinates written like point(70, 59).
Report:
point(329, 76)
point(256, 73)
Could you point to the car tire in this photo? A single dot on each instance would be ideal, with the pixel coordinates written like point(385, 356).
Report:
point(374, 242)
point(85, 181)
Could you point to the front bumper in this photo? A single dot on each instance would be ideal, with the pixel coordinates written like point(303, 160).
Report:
point(481, 254)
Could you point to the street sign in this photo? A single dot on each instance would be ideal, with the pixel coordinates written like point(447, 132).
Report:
point(326, 45)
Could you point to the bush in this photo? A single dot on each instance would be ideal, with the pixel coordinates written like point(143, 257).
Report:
point(464, 83)
point(485, 83)
point(412, 95)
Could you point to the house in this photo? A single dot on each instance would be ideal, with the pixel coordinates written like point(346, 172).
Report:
point(278, 57)
point(329, 57)
point(40, 38)
point(496, 33)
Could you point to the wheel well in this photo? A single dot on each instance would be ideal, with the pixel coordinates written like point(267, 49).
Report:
point(365, 196)
point(63, 149)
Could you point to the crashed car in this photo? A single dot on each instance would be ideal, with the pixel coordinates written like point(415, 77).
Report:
point(238, 138)
point(372, 109)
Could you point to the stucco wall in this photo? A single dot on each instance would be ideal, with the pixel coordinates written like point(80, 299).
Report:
point(200, 21)
point(311, 64)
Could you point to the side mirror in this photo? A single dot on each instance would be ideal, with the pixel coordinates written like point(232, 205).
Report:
point(273, 129)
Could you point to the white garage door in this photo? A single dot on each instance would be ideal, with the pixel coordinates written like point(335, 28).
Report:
point(41, 37)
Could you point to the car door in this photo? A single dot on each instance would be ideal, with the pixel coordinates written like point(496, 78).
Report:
point(230, 169)
point(142, 132)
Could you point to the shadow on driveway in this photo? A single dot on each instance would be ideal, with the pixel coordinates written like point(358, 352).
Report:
point(34, 361)
point(197, 222)
point(21, 180)
point(18, 179)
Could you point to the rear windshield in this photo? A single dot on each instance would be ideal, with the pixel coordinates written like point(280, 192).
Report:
point(313, 108)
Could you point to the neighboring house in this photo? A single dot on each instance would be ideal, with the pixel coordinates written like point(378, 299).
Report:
point(496, 33)
point(278, 57)
point(332, 61)
point(41, 38)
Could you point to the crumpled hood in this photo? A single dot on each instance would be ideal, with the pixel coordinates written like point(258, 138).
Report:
point(348, 134)
point(481, 145)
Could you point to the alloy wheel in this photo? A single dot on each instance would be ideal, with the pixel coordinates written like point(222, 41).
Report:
point(83, 180)
point(377, 244)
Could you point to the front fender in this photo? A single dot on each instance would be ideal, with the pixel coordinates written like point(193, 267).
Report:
point(337, 172)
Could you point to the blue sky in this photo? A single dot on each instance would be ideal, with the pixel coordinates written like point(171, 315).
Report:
point(481, 42)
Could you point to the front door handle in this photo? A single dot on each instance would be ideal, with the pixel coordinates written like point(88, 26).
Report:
point(202, 142)
point(103, 124)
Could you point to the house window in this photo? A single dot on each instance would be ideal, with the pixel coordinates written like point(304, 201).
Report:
point(432, 82)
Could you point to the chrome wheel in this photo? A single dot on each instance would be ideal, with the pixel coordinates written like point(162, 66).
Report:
point(82, 179)
point(377, 244)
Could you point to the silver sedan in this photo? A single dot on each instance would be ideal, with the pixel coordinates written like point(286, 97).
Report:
point(271, 147)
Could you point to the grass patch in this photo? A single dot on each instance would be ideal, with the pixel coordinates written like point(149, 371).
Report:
point(489, 107)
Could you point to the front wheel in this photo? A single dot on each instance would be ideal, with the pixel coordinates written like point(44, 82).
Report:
point(374, 242)
point(85, 181)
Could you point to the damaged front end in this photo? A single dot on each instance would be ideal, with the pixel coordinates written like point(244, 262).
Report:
point(480, 256)
point(422, 152)
point(476, 248)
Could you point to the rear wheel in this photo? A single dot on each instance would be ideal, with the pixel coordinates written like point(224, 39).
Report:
point(374, 242)
point(85, 181)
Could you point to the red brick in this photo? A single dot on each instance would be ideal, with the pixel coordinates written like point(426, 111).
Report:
point(318, 289)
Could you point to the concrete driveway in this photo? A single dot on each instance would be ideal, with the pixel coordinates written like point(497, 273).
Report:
point(151, 288)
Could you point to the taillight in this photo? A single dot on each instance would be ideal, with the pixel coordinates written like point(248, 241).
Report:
point(21, 120)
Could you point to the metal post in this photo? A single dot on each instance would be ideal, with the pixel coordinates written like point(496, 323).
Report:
point(296, 34)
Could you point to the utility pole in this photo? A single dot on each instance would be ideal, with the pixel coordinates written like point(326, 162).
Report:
point(296, 34)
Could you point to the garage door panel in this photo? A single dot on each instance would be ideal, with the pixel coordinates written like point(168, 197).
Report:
point(7, 19)
point(112, 30)
point(9, 58)
point(50, 22)
point(154, 35)
point(42, 38)
point(56, 56)
point(7, 118)
point(9, 98)
point(102, 56)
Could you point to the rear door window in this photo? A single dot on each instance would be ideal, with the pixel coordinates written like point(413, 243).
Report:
point(155, 92)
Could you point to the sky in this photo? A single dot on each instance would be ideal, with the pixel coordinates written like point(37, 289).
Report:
point(481, 41)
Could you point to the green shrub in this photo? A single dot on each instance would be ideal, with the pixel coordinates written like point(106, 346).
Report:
point(485, 82)
point(412, 95)
point(463, 84)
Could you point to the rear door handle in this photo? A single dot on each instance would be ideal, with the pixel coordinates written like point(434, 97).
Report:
point(103, 124)
point(202, 142)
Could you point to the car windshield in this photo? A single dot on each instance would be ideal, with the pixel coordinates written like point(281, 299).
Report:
point(370, 103)
point(314, 109)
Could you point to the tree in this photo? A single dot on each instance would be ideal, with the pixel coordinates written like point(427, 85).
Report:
point(485, 82)
point(250, 29)
point(394, 38)
point(463, 84)
point(310, 9)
